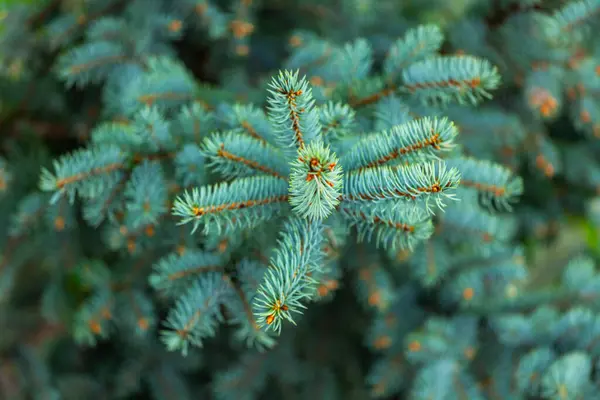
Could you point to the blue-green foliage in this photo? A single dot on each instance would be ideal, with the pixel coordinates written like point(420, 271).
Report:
point(319, 185)
point(350, 215)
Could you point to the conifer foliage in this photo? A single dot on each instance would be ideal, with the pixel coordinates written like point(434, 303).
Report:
point(201, 199)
